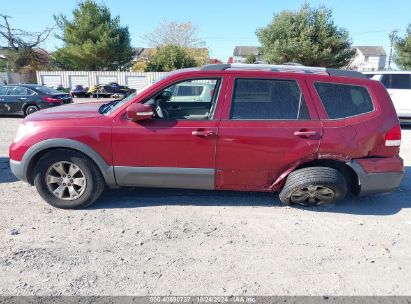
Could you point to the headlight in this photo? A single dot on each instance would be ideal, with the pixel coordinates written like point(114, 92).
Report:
point(23, 131)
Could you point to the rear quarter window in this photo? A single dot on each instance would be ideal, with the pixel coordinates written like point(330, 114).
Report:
point(342, 100)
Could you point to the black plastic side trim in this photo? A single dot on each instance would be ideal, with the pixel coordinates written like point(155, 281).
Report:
point(376, 183)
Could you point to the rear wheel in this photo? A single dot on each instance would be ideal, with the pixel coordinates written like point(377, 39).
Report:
point(30, 109)
point(314, 186)
point(67, 179)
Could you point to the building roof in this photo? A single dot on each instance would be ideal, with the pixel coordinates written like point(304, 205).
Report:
point(371, 50)
point(246, 50)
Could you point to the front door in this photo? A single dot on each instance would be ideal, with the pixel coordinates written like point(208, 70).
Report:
point(268, 127)
point(176, 149)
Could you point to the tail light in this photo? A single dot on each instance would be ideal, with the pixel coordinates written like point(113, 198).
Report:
point(393, 137)
point(51, 99)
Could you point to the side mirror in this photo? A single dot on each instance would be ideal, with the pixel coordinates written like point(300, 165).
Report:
point(139, 111)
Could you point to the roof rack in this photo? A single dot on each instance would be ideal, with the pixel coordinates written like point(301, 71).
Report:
point(284, 68)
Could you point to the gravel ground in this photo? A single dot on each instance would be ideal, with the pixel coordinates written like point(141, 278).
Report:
point(149, 241)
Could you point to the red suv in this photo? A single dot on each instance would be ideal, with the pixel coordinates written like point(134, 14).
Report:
point(313, 134)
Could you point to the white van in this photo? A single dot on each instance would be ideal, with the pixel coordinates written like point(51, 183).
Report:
point(398, 84)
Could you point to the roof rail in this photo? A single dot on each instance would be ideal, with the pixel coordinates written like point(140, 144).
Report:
point(284, 68)
point(215, 67)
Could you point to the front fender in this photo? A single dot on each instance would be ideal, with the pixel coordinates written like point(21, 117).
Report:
point(23, 169)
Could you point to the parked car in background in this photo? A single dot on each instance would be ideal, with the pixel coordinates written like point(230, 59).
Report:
point(398, 84)
point(312, 134)
point(109, 90)
point(78, 91)
point(25, 99)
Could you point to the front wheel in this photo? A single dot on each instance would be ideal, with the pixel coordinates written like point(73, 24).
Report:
point(68, 180)
point(314, 186)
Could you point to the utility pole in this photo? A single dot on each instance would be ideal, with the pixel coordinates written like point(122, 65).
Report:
point(392, 35)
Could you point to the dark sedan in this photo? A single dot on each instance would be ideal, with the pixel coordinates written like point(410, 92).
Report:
point(24, 99)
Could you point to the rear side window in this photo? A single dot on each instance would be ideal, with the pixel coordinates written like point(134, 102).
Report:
point(397, 81)
point(341, 100)
point(267, 99)
point(18, 91)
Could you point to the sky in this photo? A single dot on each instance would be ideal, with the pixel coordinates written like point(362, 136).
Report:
point(222, 24)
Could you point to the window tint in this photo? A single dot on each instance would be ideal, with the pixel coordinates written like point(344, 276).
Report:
point(18, 91)
point(268, 99)
point(397, 81)
point(342, 100)
point(3, 90)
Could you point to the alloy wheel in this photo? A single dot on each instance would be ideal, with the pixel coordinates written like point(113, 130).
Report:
point(66, 180)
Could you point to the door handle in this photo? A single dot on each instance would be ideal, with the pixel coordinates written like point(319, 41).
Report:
point(22, 98)
point(305, 133)
point(202, 133)
point(176, 108)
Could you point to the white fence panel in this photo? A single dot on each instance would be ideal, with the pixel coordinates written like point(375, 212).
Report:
point(136, 82)
point(68, 79)
point(78, 80)
point(51, 80)
point(105, 79)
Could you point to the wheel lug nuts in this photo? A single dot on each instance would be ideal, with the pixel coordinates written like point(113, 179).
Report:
point(69, 184)
point(71, 181)
point(64, 184)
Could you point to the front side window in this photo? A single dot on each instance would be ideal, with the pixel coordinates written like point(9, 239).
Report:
point(193, 99)
point(267, 99)
point(341, 100)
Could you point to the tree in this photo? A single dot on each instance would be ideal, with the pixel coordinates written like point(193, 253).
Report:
point(307, 36)
point(139, 66)
point(251, 58)
point(93, 40)
point(402, 56)
point(22, 52)
point(170, 57)
point(183, 34)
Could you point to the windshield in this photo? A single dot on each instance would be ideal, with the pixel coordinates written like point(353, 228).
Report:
point(110, 107)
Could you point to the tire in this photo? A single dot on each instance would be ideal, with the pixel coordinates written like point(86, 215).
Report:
point(314, 186)
point(87, 181)
point(30, 109)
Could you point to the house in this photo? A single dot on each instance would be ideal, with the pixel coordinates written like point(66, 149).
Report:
point(241, 53)
point(368, 58)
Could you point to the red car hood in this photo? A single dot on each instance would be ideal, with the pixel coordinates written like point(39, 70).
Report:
point(71, 111)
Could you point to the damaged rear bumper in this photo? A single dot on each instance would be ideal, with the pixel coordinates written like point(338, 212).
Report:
point(371, 177)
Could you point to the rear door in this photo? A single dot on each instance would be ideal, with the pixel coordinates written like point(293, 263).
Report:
point(3, 92)
point(15, 98)
point(268, 125)
point(399, 88)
